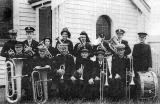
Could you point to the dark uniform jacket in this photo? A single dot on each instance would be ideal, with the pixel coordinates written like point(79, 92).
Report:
point(7, 45)
point(88, 68)
point(53, 51)
point(33, 45)
point(68, 60)
point(99, 67)
point(119, 66)
point(70, 46)
point(77, 52)
point(127, 48)
point(142, 57)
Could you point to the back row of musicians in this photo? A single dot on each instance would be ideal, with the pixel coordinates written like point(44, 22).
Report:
point(59, 58)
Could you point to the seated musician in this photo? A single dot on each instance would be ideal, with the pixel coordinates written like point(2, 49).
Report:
point(8, 48)
point(120, 64)
point(84, 67)
point(84, 42)
point(64, 70)
point(40, 60)
point(99, 68)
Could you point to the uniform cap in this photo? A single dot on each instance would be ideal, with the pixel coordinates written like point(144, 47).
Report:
point(42, 47)
point(120, 31)
point(12, 31)
point(29, 29)
point(83, 50)
point(120, 46)
point(100, 51)
point(142, 34)
point(18, 44)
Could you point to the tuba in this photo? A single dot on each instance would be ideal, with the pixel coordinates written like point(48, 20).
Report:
point(13, 79)
point(113, 42)
point(39, 84)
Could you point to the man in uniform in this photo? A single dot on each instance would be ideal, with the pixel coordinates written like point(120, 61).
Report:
point(142, 59)
point(120, 63)
point(84, 67)
point(120, 34)
point(30, 44)
point(64, 69)
point(8, 48)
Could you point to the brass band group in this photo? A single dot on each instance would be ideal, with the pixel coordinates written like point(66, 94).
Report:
point(38, 71)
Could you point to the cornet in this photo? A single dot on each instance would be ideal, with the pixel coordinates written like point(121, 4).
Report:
point(62, 67)
point(29, 50)
point(82, 68)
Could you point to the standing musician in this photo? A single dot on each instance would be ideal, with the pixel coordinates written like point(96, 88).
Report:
point(120, 34)
point(84, 42)
point(51, 51)
point(8, 48)
point(84, 67)
point(120, 63)
point(64, 69)
point(99, 68)
point(142, 59)
point(65, 35)
point(30, 44)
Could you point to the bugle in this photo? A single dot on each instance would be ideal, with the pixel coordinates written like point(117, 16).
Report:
point(13, 79)
point(39, 84)
point(132, 70)
point(106, 81)
point(62, 67)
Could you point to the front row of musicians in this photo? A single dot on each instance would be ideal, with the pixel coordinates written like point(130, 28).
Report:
point(83, 77)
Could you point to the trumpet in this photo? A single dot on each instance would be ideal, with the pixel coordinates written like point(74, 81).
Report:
point(39, 84)
point(82, 68)
point(131, 69)
point(81, 43)
point(32, 53)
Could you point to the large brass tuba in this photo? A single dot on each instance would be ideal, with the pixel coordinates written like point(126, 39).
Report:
point(39, 84)
point(13, 79)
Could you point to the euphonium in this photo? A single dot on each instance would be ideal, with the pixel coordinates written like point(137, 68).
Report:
point(39, 84)
point(113, 42)
point(13, 79)
point(82, 68)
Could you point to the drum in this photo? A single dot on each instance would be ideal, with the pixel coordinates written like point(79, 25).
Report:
point(147, 85)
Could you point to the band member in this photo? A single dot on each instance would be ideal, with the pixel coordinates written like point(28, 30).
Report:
point(142, 55)
point(102, 45)
point(8, 48)
point(100, 67)
point(64, 70)
point(84, 42)
point(30, 44)
point(120, 63)
point(84, 67)
point(120, 34)
point(51, 51)
point(65, 39)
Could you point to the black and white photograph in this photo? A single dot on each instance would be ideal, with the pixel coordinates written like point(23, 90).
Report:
point(79, 51)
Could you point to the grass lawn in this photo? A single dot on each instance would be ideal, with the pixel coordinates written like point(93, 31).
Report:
point(59, 101)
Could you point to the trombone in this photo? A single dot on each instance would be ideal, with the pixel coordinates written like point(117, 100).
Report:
point(102, 84)
point(130, 81)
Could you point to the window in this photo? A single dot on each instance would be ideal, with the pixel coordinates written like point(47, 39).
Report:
point(103, 26)
point(6, 19)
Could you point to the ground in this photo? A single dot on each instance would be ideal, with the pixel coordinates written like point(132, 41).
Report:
point(58, 101)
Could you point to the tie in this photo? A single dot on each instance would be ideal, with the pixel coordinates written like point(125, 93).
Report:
point(29, 42)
